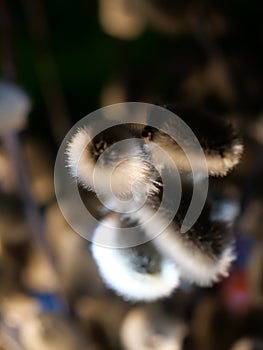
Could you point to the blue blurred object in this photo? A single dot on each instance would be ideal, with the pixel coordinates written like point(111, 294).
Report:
point(48, 302)
point(244, 248)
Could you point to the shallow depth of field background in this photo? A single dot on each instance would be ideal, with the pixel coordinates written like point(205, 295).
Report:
point(73, 57)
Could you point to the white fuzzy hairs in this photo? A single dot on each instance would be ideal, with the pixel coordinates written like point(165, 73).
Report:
point(217, 164)
point(130, 176)
point(119, 273)
point(195, 265)
point(133, 172)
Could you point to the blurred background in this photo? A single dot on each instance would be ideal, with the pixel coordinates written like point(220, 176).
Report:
point(71, 58)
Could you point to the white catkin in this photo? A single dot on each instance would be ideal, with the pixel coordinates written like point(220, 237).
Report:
point(217, 164)
point(194, 264)
point(132, 176)
point(118, 272)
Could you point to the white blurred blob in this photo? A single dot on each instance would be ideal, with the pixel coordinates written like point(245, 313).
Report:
point(149, 328)
point(14, 107)
point(225, 211)
point(119, 19)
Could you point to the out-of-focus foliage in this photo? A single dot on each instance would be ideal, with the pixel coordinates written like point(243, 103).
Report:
point(70, 60)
